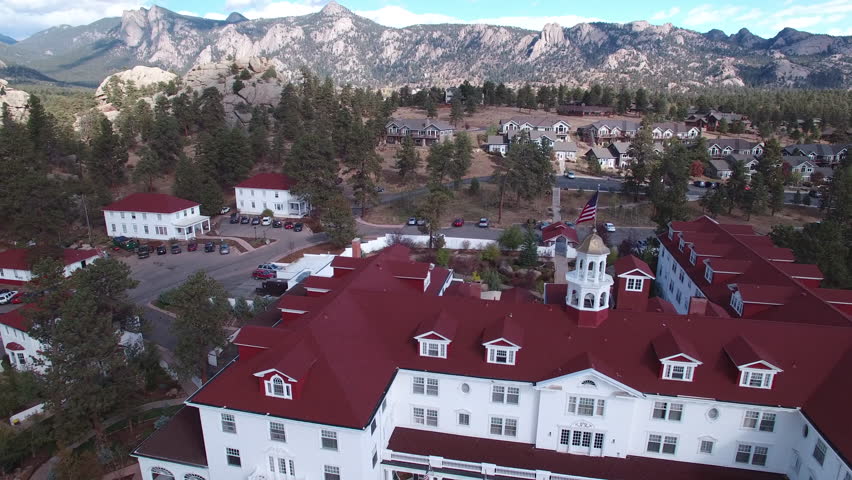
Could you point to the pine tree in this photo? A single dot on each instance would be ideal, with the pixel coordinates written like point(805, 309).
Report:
point(529, 251)
point(108, 156)
point(456, 111)
point(462, 158)
point(148, 169)
point(432, 209)
point(735, 187)
point(312, 165)
point(202, 312)
point(645, 157)
point(407, 158)
point(259, 133)
point(143, 119)
point(338, 222)
point(211, 112)
point(528, 171)
point(429, 106)
point(438, 161)
point(641, 99)
point(668, 185)
point(287, 115)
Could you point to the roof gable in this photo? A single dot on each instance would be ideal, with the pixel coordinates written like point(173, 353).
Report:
point(151, 203)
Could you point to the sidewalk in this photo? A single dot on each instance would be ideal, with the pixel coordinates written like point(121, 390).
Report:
point(364, 222)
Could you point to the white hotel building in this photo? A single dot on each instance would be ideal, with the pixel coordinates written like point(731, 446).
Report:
point(390, 374)
point(269, 191)
point(155, 216)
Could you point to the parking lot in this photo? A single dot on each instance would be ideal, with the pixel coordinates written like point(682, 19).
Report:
point(249, 231)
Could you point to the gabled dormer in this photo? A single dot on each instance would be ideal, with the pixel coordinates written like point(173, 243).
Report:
point(502, 341)
point(284, 374)
point(435, 335)
point(756, 370)
point(276, 383)
point(678, 359)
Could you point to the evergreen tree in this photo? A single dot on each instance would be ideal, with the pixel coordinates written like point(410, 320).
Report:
point(432, 209)
point(528, 171)
point(668, 185)
point(641, 99)
point(462, 158)
point(202, 308)
point(287, 115)
point(211, 111)
point(642, 150)
point(429, 106)
point(625, 98)
point(713, 201)
point(456, 111)
point(165, 139)
point(312, 165)
point(511, 238)
point(259, 133)
point(226, 153)
point(143, 119)
point(338, 222)
point(108, 156)
point(439, 161)
point(735, 187)
point(148, 169)
point(407, 158)
point(529, 251)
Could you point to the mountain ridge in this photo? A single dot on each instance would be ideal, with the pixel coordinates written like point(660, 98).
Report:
point(354, 49)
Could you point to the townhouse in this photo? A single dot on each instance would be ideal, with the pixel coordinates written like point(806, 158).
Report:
point(669, 130)
point(822, 154)
point(269, 191)
point(155, 216)
point(609, 130)
point(722, 147)
point(423, 132)
point(378, 375)
point(549, 124)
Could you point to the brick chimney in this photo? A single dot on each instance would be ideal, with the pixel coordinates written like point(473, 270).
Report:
point(356, 248)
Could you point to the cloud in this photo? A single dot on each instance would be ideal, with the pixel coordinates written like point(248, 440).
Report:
point(280, 9)
point(396, 16)
point(664, 14)
point(535, 23)
point(25, 17)
point(707, 14)
point(215, 16)
point(752, 14)
point(840, 32)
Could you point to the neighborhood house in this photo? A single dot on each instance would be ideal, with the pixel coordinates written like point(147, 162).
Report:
point(424, 132)
point(155, 216)
point(556, 126)
point(269, 191)
point(15, 268)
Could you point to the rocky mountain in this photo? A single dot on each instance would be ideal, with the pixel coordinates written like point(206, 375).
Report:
point(7, 40)
point(354, 49)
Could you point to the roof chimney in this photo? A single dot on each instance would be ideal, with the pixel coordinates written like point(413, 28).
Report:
point(697, 306)
point(356, 248)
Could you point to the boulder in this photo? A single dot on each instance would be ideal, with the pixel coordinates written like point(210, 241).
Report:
point(15, 100)
point(140, 75)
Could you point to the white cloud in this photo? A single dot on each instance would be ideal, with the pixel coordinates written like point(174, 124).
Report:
point(535, 23)
point(395, 16)
point(188, 13)
point(707, 14)
point(215, 16)
point(280, 9)
point(752, 14)
point(664, 14)
point(25, 17)
point(840, 32)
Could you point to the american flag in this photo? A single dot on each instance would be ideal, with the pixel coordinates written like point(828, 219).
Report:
point(589, 211)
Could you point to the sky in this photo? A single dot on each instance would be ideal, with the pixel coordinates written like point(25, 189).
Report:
point(21, 18)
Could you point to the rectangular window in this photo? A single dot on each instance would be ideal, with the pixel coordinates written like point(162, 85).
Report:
point(418, 416)
point(229, 425)
point(668, 411)
point(276, 432)
point(498, 394)
point(161, 230)
point(418, 386)
point(145, 228)
point(431, 417)
point(121, 214)
point(654, 443)
point(464, 419)
point(331, 473)
point(432, 387)
point(753, 454)
point(708, 274)
point(767, 422)
point(662, 444)
point(113, 228)
point(504, 426)
point(706, 446)
point(764, 422)
point(513, 395)
point(329, 440)
point(669, 445)
point(599, 440)
point(819, 451)
point(233, 456)
point(123, 228)
point(635, 284)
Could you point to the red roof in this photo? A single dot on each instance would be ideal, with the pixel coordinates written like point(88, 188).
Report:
point(16, 319)
point(16, 258)
point(75, 255)
point(550, 232)
point(298, 302)
point(14, 346)
point(555, 293)
point(348, 263)
point(181, 440)
point(670, 344)
point(151, 203)
point(630, 263)
point(757, 293)
point(269, 181)
point(444, 324)
point(833, 295)
point(800, 270)
point(504, 328)
point(526, 456)
point(742, 352)
point(464, 289)
point(322, 283)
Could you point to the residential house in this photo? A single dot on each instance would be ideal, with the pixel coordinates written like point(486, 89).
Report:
point(561, 236)
point(583, 110)
point(564, 152)
point(382, 376)
point(535, 136)
point(719, 169)
point(15, 268)
point(822, 154)
point(155, 216)
point(608, 130)
point(748, 161)
point(710, 121)
point(668, 130)
point(623, 153)
point(24, 351)
point(801, 165)
point(722, 147)
point(270, 191)
point(496, 144)
point(424, 132)
point(603, 156)
point(549, 124)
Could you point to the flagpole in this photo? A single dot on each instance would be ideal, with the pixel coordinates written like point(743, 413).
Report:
point(595, 222)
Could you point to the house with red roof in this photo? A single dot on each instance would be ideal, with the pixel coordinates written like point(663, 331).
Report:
point(380, 375)
point(561, 236)
point(155, 216)
point(15, 267)
point(270, 191)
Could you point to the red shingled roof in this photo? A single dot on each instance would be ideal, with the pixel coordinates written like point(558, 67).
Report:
point(550, 232)
point(670, 344)
point(630, 263)
point(75, 255)
point(181, 440)
point(16, 319)
point(151, 203)
point(269, 181)
point(16, 258)
point(526, 456)
point(298, 302)
point(800, 270)
point(444, 324)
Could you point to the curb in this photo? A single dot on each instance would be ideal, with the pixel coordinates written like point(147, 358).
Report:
point(364, 222)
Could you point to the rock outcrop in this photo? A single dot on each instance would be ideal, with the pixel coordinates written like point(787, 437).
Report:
point(140, 76)
point(15, 100)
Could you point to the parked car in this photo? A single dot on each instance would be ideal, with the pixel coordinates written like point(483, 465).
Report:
point(458, 222)
point(609, 227)
point(421, 222)
point(269, 266)
point(483, 223)
point(3, 290)
point(209, 247)
point(698, 183)
point(192, 246)
point(277, 223)
point(266, 221)
point(379, 189)
point(255, 220)
point(161, 250)
point(175, 248)
point(144, 251)
point(814, 194)
point(7, 297)
point(125, 243)
point(288, 225)
point(412, 221)
point(275, 288)
point(244, 220)
point(224, 249)
point(19, 297)
point(234, 218)
point(224, 210)
point(570, 174)
point(262, 274)
point(297, 227)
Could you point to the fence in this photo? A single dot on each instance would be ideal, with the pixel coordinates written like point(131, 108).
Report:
point(453, 243)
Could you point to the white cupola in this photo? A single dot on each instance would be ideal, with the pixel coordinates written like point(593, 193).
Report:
point(588, 284)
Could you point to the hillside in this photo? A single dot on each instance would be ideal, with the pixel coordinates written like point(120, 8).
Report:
point(356, 50)
point(7, 40)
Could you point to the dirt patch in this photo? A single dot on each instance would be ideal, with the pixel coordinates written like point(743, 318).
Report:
point(789, 215)
point(322, 248)
point(482, 165)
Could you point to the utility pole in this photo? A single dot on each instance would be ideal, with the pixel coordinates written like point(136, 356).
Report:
point(86, 213)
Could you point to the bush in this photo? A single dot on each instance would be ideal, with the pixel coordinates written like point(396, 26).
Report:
point(241, 308)
point(267, 213)
point(269, 74)
point(511, 238)
point(442, 257)
point(492, 279)
point(490, 253)
point(245, 74)
point(237, 86)
point(473, 189)
point(462, 264)
point(529, 252)
point(465, 245)
point(166, 298)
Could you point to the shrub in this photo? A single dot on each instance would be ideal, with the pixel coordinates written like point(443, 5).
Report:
point(245, 74)
point(270, 73)
point(465, 245)
point(492, 279)
point(237, 86)
point(442, 257)
point(473, 189)
point(267, 213)
point(166, 298)
point(490, 253)
point(511, 238)
point(462, 264)
point(529, 251)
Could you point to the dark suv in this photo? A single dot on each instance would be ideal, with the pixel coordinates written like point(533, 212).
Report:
point(175, 248)
point(209, 247)
point(144, 251)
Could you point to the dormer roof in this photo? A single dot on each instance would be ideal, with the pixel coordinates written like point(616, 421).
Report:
point(439, 327)
point(505, 331)
point(745, 355)
point(630, 265)
point(294, 364)
point(671, 347)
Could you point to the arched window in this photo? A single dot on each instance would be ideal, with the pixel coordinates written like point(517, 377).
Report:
point(160, 473)
point(602, 270)
point(278, 387)
point(575, 299)
point(192, 476)
point(589, 383)
point(603, 300)
point(580, 270)
point(589, 300)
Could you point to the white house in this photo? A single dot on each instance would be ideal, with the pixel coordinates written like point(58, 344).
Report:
point(603, 156)
point(23, 350)
point(554, 125)
point(381, 377)
point(680, 130)
point(496, 144)
point(15, 267)
point(564, 152)
point(155, 216)
point(269, 191)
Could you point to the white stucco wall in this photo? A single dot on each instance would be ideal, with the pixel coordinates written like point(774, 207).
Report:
point(144, 225)
point(253, 201)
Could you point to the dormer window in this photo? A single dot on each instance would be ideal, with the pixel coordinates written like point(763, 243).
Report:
point(277, 387)
point(433, 348)
point(692, 257)
point(708, 274)
point(635, 284)
point(502, 355)
point(756, 378)
point(737, 303)
point(678, 371)
point(680, 245)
